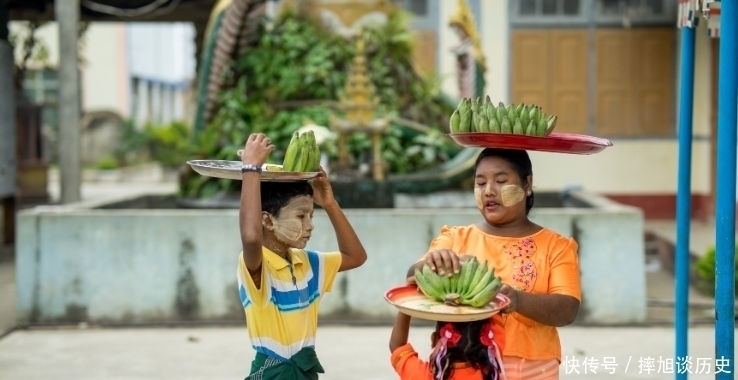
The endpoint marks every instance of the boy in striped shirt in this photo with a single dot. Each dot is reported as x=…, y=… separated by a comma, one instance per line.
x=279, y=282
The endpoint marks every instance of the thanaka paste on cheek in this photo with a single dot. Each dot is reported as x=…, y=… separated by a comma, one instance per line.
x=512, y=195
x=478, y=197
x=288, y=227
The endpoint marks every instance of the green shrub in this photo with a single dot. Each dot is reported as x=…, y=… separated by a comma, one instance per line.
x=107, y=163
x=705, y=268
x=298, y=62
x=131, y=149
x=169, y=145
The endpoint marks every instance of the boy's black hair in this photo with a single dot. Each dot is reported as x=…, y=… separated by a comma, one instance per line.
x=469, y=349
x=276, y=195
x=519, y=160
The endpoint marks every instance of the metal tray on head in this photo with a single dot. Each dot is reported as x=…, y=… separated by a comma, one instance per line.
x=232, y=170
x=411, y=301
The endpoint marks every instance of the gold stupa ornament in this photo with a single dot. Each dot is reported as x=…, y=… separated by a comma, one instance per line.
x=358, y=99
x=359, y=103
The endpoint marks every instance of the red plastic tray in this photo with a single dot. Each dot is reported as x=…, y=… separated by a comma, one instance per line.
x=555, y=142
x=409, y=300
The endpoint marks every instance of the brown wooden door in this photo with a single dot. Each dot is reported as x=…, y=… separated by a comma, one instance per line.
x=549, y=68
x=613, y=95
x=530, y=54
x=424, y=51
x=634, y=78
x=654, y=81
x=635, y=71
x=569, y=92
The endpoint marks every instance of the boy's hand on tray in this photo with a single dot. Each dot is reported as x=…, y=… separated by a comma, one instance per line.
x=322, y=190
x=257, y=149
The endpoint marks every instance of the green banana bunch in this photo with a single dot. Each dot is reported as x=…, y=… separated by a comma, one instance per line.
x=454, y=122
x=303, y=154
x=475, y=285
x=481, y=115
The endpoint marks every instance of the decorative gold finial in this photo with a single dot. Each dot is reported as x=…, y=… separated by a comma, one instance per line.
x=464, y=20
x=359, y=103
x=360, y=43
x=358, y=99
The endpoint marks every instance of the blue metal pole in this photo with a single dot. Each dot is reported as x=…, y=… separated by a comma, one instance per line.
x=684, y=194
x=725, y=192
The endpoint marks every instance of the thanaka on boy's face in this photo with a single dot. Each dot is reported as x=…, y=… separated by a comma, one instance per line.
x=294, y=224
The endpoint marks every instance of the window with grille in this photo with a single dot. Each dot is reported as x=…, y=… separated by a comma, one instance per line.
x=425, y=12
x=41, y=86
x=635, y=11
x=549, y=7
x=579, y=13
x=548, y=12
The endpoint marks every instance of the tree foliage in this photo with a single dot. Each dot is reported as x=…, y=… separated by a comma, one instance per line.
x=296, y=72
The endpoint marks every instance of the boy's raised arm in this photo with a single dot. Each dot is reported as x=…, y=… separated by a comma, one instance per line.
x=255, y=153
x=353, y=254
x=352, y=251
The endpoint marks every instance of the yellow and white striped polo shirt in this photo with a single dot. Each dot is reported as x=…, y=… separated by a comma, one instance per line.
x=282, y=315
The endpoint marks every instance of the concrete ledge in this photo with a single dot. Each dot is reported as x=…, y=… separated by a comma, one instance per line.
x=147, y=172
x=80, y=263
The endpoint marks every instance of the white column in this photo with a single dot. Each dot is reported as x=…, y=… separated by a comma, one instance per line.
x=495, y=46
x=67, y=15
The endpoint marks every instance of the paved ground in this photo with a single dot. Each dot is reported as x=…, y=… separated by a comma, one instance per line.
x=356, y=353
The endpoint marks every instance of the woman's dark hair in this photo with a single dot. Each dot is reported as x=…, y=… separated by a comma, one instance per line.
x=469, y=349
x=520, y=162
x=276, y=195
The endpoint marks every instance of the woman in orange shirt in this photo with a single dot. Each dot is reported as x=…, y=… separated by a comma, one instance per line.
x=539, y=267
x=461, y=351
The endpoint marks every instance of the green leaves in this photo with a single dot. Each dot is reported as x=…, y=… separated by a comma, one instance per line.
x=298, y=61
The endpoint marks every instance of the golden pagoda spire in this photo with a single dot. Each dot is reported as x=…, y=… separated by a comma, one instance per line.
x=358, y=99
x=464, y=20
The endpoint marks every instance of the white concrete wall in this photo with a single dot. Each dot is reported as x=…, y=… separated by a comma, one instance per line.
x=702, y=86
x=150, y=265
x=446, y=41
x=105, y=73
x=162, y=57
x=105, y=82
x=162, y=51
x=495, y=44
x=628, y=167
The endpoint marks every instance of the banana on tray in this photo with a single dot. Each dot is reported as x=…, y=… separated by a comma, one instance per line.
x=482, y=116
x=302, y=153
x=475, y=285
